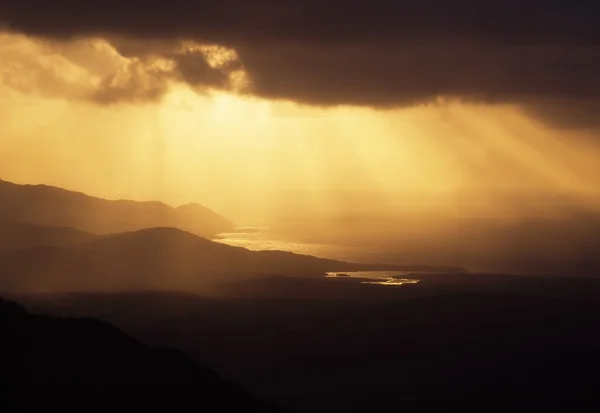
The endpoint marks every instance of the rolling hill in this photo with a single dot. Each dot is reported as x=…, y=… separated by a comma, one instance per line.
x=51, y=206
x=155, y=258
x=47, y=359
x=15, y=235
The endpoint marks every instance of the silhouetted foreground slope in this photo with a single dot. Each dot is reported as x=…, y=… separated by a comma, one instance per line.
x=528, y=347
x=46, y=205
x=156, y=258
x=46, y=358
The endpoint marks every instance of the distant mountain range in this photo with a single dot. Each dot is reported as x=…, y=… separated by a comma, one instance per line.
x=15, y=235
x=52, y=240
x=46, y=359
x=51, y=206
x=154, y=258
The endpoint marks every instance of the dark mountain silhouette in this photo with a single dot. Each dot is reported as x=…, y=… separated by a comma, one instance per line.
x=23, y=235
x=46, y=358
x=156, y=258
x=512, y=343
x=51, y=206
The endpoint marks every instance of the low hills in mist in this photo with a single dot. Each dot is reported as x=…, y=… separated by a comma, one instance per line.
x=15, y=235
x=57, y=240
x=154, y=258
x=47, y=359
x=51, y=206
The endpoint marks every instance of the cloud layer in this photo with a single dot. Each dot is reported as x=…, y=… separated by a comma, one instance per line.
x=92, y=69
x=542, y=55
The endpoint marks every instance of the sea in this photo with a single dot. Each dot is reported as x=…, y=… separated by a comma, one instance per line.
x=259, y=239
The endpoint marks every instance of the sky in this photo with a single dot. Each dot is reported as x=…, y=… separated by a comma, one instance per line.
x=256, y=107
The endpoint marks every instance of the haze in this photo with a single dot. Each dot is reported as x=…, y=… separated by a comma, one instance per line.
x=321, y=204
x=252, y=158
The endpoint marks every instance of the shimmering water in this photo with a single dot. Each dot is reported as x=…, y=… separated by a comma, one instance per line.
x=258, y=240
x=377, y=277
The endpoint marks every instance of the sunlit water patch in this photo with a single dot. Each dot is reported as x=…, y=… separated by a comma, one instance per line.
x=257, y=239
x=377, y=277
x=392, y=281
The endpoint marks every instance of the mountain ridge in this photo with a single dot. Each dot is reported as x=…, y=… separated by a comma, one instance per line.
x=48, y=358
x=54, y=206
x=156, y=258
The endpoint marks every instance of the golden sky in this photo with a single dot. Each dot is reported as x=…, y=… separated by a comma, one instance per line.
x=79, y=115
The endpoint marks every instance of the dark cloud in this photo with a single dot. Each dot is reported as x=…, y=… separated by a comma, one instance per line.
x=133, y=83
x=312, y=20
x=567, y=113
x=377, y=53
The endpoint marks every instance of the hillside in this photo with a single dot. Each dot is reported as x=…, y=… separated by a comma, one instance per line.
x=156, y=258
x=16, y=235
x=51, y=206
x=47, y=359
x=515, y=343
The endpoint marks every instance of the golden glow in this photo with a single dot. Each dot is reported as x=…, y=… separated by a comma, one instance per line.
x=224, y=59
x=249, y=157
x=216, y=56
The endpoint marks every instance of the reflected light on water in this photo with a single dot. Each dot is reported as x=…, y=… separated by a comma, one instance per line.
x=376, y=277
x=259, y=239
x=392, y=281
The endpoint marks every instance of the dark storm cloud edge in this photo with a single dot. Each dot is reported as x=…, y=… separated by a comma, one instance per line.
x=378, y=53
